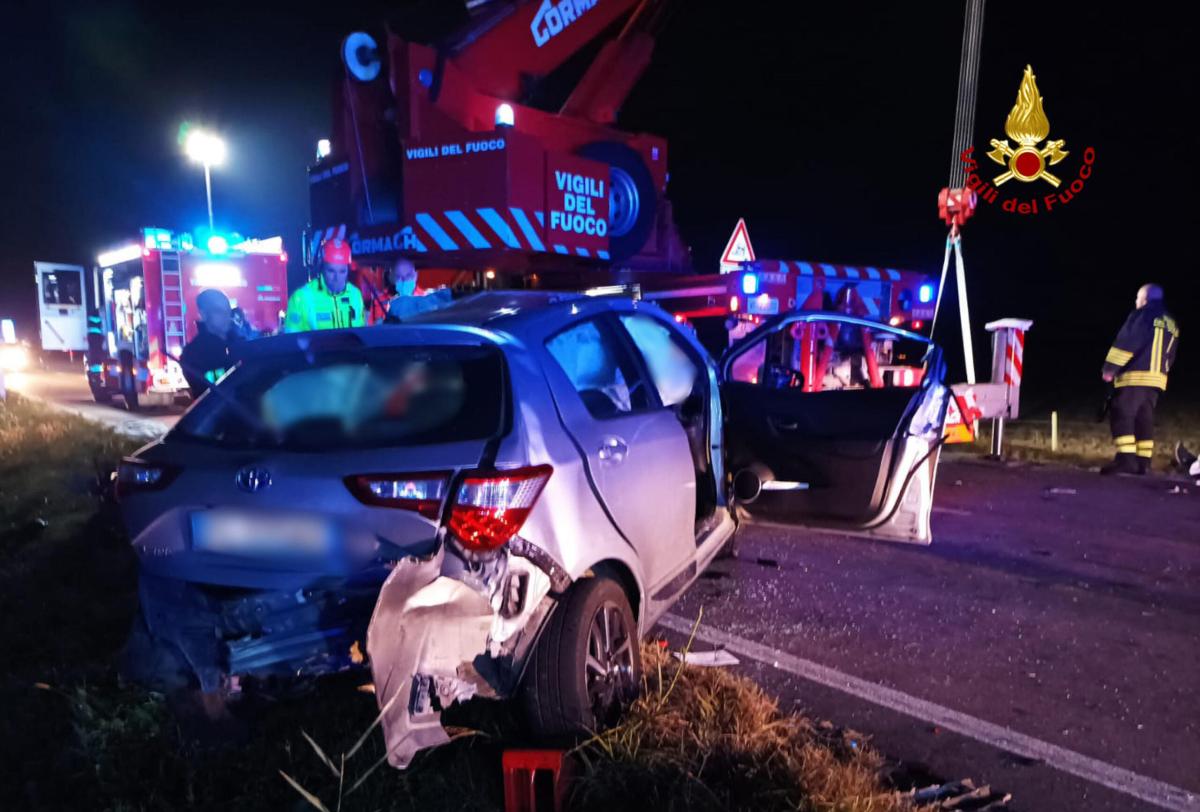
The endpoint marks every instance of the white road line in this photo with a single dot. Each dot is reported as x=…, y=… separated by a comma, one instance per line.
x=1139, y=786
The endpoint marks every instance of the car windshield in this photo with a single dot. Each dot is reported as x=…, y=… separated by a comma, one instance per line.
x=360, y=398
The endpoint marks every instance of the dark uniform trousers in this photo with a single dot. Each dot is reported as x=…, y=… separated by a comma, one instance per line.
x=1132, y=420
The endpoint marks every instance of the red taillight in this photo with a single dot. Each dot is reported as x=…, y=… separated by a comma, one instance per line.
x=490, y=507
x=420, y=493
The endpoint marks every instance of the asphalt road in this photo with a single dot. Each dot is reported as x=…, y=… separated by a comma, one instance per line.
x=1051, y=631
x=68, y=390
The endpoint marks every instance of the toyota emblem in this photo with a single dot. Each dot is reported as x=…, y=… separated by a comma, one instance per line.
x=252, y=479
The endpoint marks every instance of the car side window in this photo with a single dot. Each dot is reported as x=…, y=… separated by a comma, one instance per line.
x=600, y=369
x=837, y=355
x=671, y=367
x=747, y=367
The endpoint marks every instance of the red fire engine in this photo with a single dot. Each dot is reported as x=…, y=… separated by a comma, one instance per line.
x=141, y=308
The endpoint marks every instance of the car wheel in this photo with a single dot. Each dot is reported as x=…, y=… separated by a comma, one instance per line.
x=100, y=394
x=586, y=666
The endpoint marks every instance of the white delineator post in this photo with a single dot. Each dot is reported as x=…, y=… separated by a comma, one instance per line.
x=1008, y=364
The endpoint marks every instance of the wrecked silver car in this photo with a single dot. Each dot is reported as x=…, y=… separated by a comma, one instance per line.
x=618, y=422
x=525, y=482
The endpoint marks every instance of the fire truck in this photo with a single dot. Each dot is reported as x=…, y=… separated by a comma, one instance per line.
x=439, y=154
x=444, y=152
x=141, y=292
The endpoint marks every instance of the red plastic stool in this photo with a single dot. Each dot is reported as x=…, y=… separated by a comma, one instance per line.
x=533, y=780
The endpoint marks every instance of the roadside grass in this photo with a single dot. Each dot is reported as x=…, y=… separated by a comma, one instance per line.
x=709, y=739
x=1084, y=441
x=74, y=735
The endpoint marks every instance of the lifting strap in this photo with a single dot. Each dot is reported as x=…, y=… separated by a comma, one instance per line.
x=964, y=133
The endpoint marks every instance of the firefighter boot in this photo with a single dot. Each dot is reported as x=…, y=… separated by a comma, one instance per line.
x=1145, y=452
x=1122, y=464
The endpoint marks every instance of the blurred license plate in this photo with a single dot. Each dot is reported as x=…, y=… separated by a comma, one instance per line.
x=220, y=531
x=762, y=305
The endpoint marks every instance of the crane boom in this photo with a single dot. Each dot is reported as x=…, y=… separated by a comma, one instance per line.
x=510, y=43
x=620, y=64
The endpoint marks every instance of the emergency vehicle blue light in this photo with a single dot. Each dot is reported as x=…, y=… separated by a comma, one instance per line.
x=925, y=293
x=217, y=244
x=750, y=284
x=505, y=117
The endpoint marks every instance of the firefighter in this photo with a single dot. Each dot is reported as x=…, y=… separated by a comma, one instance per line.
x=211, y=353
x=1137, y=365
x=404, y=276
x=329, y=301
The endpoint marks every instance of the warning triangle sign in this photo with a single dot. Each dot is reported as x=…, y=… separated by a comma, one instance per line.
x=738, y=249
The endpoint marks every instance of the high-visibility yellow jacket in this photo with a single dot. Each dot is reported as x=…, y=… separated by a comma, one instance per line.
x=1142, y=353
x=313, y=307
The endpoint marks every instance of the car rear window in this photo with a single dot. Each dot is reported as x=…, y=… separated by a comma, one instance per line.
x=358, y=398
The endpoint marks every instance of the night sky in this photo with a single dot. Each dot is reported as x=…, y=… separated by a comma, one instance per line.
x=828, y=128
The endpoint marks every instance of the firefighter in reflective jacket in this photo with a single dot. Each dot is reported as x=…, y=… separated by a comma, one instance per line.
x=329, y=301
x=1137, y=366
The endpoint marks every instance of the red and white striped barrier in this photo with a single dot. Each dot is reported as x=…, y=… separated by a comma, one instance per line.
x=1014, y=354
x=1008, y=361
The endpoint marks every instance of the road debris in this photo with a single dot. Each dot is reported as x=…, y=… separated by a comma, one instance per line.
x=1061, y=491
x=707, y=659
x=963, y=795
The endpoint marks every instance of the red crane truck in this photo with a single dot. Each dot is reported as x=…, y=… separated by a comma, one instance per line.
x=439, y=154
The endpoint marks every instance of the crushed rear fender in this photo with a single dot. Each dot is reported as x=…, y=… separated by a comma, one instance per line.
x=445, y=630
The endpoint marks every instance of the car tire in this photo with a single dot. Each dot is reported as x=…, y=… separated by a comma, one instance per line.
x=633, y=200
x=101, y=395
x=573, y=686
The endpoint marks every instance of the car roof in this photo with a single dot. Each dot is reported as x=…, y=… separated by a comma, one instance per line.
x=491, y=316
x=490, y=308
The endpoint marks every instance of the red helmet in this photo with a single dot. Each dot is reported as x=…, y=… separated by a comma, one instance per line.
x=336, y=252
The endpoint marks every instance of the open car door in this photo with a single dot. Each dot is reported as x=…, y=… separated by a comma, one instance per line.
x=835, y=421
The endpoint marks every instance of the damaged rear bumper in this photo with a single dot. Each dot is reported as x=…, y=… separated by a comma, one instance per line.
x=445, y=630
x=210, y=633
